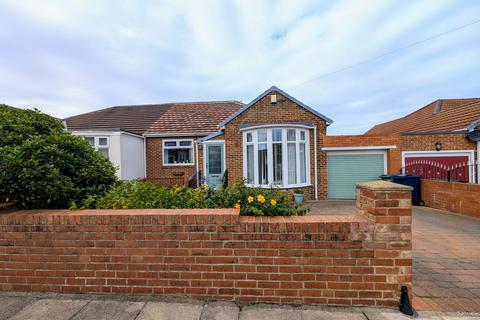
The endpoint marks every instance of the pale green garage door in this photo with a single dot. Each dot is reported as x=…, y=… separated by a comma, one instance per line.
x=344, y=170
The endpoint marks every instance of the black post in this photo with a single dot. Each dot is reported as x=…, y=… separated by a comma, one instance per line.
x=405, y=305
x=448, y=175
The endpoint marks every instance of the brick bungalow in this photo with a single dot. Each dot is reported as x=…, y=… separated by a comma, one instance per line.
x=275, y=140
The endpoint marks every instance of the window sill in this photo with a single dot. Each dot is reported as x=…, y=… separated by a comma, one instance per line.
x=178, y=165
x=292, y=186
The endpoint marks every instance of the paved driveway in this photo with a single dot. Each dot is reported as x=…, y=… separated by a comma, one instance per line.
x=446, y=261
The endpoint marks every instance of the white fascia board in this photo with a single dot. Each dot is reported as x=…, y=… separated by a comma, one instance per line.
x=358, y=148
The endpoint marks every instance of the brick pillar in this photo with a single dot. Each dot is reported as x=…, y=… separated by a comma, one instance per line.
x=389, y=206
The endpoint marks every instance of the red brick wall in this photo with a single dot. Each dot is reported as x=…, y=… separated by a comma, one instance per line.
x=462, y=198
x=263, y=112
x=394, y=156
x=212, y=254
x=169, y=175
x=403, y=143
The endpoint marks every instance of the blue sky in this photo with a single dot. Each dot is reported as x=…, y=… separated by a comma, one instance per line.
x=70, y=57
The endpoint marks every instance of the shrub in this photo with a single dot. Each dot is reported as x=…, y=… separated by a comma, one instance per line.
x=251, y=201
x=19, y=125
x=49, y=168
x=139, y=194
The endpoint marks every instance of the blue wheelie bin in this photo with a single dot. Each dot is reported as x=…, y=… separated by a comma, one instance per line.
x=412, y=181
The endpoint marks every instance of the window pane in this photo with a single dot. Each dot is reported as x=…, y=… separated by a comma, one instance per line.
x=262, y=135
x=249, y=137
x=292, y=163
x=291, y=134
x=302, y=135
x=178, y=156
x=277, y=163
x=303, y=164
x=277, y=134
x=185, y=143
x=250, y=165
x=262, y=164
x=90, y=140
x=103, y=151
x=103, y=141
x=214, y=159
x=170, y=143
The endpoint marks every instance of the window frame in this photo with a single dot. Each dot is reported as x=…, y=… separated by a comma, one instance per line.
x=96, y=143
x=285, y=185
x=178, y=146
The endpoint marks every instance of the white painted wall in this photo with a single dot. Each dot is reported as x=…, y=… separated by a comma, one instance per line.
x=125, y=152
x=132, y=157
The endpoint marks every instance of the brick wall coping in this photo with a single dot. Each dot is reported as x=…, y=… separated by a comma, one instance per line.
x=227, y=215
x=381, y=185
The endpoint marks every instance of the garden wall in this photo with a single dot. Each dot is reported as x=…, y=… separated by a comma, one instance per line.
x=211, y=254
x=462, y=198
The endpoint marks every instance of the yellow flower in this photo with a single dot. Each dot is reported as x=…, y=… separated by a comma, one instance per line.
x=237, y=205
x=250, y=199
x=260, y=198
x=273, y=202
x=205, y=186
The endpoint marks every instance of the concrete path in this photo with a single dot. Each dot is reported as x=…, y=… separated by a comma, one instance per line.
x=446, y=261
x=21, y=306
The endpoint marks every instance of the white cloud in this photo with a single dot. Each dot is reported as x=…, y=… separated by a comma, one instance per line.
x=72, y=57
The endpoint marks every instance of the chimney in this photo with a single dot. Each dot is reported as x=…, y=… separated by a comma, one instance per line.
x=438, y=106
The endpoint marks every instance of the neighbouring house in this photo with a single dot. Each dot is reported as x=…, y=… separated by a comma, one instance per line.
x=275, y=140
x=438, y=141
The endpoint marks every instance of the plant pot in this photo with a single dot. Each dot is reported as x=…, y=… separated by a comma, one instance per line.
x=298, y=197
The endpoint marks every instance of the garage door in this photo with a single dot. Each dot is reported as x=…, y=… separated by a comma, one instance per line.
x=344, y=170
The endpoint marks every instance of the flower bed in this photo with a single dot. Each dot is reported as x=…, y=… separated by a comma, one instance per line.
x=142, y=194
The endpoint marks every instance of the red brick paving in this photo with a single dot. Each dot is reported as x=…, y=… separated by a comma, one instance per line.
x=446, y=261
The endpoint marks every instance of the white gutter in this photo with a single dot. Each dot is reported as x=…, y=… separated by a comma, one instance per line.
x=196, y=163
x=316, y=162
x=179, y=134
x=145, y=156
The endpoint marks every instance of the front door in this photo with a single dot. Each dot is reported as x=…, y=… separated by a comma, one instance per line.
x=214, y=163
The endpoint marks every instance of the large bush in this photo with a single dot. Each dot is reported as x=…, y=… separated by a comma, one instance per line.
x=19, y=125
x=250, y=201
x=41, y=166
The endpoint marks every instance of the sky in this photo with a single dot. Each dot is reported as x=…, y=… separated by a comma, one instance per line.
x=71, y=57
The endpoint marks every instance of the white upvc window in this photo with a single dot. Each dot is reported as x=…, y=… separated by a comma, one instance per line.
x=276, y=156
x=101, y=144
x=178, y=152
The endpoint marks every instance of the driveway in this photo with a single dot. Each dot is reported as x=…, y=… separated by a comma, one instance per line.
x=446, y=256
x=446, y=261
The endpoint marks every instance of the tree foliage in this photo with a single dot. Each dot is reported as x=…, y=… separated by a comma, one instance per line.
x=42, y=166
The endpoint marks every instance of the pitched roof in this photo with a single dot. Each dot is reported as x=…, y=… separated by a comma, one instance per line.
x=184, y=117
x=278, y=90
x=195, y=117
x=444, y=115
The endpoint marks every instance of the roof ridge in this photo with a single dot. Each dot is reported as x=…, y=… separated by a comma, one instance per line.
x=177, y=103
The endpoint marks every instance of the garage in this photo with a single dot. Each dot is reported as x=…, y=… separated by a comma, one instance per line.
x=345, y=168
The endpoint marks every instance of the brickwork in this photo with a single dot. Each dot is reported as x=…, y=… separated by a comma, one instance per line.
x=213, y=254
x=462, y=198
x=285, y=111
x=418, y=142
x=168, y=175
x=394, y=156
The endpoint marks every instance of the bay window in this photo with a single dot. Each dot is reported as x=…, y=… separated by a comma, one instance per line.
x=277, y=156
